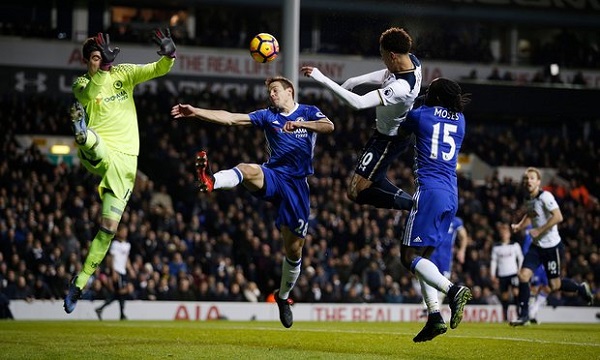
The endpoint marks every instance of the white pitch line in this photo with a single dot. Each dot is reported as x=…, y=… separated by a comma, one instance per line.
x=538, y=341
x=263, y=328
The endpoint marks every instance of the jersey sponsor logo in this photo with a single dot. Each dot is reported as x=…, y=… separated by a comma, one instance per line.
x=118, y=84
x=121, y=96
x=300, y=133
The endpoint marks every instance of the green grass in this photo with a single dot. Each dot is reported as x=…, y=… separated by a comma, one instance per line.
x=305, y=340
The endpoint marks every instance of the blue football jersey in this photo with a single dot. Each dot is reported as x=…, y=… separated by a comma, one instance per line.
x=289, y=153
x=439, y=135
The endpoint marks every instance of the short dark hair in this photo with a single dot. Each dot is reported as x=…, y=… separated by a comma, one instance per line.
x=285, y=82
x=446, y=93
x=395, y=40
x=89, y=46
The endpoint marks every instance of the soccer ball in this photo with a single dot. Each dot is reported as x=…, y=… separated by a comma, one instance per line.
x=264, y=48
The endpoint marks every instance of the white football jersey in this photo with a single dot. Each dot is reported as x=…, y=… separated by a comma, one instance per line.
x=120, y=253
x=539, y=210
x=506, y=259
x=398, y=93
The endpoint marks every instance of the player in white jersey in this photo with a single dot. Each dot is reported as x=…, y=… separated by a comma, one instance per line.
x=400, y=84
x=119, y=251
x=506, y=261
x=543, y=213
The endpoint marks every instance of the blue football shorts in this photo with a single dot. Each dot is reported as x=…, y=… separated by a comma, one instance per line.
x=291, y=195
x=429, y=219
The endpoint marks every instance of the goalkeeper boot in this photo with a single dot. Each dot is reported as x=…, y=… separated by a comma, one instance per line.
x=435, y=326
x=73, y=295
x=206, y=180
x=78, y=123
x=285, y=311
x=458, y=297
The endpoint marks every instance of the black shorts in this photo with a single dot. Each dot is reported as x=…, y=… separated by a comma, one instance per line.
x=550, y=258
x=122, y=281
x=506, y=282
x=378, y=154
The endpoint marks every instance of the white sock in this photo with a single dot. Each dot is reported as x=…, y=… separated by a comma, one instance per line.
x=290, y=271
x=441, y=297
x=430, y=296
x=540, y=300
x=227, y=179
x=428, y=272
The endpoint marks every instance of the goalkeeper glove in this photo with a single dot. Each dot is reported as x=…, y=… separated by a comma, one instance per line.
x=167, y=46
x=108, y=55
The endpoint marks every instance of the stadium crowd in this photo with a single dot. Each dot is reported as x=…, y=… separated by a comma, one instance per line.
x=223, y=247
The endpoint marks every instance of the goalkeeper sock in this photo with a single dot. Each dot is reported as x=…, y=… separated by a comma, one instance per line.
x=93, y=149
x=98, y=250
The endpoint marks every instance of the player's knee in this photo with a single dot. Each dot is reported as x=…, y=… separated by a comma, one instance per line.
x=352, y=195
x=292, y=244
x=109, y=225
x=406, y=259
x=249, y=171
x=524, y=276
x=357, y=185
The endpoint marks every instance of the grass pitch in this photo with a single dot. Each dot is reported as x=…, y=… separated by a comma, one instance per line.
x=305, y=340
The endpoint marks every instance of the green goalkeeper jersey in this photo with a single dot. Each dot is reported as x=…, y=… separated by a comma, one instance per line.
x=108, y=100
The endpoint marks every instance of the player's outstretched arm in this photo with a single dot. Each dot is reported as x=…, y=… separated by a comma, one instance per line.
x=521, y=224
x=321, y=126
x=373, y=78
x=355, y=101
x=220, y=117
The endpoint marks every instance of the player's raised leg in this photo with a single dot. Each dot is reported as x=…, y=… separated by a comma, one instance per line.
x=79, y=122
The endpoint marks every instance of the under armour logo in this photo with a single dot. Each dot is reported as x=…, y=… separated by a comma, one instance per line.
x=22, y=82
x=95, y=265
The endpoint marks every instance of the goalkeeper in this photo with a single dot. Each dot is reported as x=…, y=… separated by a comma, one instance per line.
x=104, y=122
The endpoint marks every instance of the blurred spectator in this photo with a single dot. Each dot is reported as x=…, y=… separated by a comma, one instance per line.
x=494, y=75
x=230, y=237
x=578, y=79
x=579, y=193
